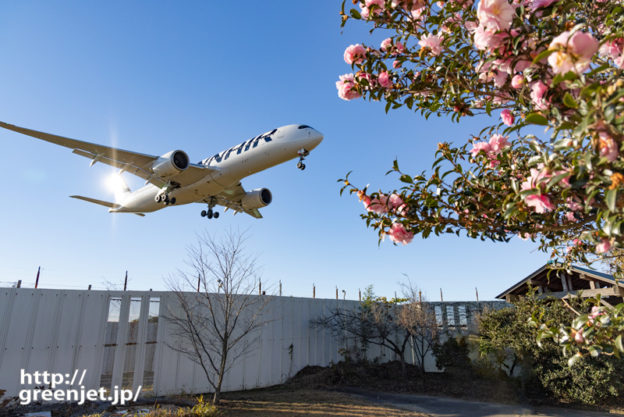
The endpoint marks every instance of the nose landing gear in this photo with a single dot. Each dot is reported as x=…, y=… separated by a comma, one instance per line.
x=210, y=213
x=302, y=154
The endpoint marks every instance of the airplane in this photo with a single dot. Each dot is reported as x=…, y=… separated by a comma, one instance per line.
x=171, y=179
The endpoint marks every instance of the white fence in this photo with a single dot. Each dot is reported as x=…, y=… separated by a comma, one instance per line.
x=119, y=338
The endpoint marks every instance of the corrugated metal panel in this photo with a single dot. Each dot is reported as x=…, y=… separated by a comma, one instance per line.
x=123, y=338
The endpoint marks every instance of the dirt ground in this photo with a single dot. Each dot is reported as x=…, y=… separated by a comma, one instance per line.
x=302, y=403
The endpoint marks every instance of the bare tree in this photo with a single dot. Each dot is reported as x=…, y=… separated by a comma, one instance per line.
x=418, y=319
x=393, y=324
x=217, y=320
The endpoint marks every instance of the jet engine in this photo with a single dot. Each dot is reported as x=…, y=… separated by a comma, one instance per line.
x=257, y=198
x=170, y=164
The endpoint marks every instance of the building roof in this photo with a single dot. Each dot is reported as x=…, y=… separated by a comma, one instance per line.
x=557, y=281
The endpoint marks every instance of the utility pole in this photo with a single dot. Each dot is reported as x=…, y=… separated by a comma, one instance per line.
x=313, y=291
x=336, y=292
x=37, y=279
x=198, y=282
x=260, y=287
x=441, y=297
x=359, y=294
x=126, y=282
x=19, y=283
x=477, y=292
x=280, y=288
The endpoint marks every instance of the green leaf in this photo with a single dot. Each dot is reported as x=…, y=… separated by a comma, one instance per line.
x=542, y=55
x=618, y=343
x=611, y=199
x=536, y=119
x=569, y=101
x=555, y=180
x=355, y=14
x=406, y=178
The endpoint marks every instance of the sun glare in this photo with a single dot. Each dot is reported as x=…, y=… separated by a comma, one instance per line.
x=115, y=183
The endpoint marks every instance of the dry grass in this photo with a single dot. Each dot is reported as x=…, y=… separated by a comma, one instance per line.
x=302, y=403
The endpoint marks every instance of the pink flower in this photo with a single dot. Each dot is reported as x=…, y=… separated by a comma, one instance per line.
x=603, y=246
x=488, y=39
x=508, y=117
x=538, y=91
x=394, y=201
x=570, y=216
x=573, y=52
x=384, y=79
x=386, y=45
x=361, y=75
x=541, y=203
x=497, y=143
x=578, y=337
x=402, y=210
x=608, y=146
x=573, y=204
x=538, y=4
x=480, y=146
x=354, y=54
x=496, y=14
x=398, y=234
x=614, y=49
x=595, y=313
x=346, y=87
x=378, y=205
x=432, y=42
x=517, y=81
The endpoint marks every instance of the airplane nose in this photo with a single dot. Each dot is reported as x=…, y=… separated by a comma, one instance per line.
x=316, y=137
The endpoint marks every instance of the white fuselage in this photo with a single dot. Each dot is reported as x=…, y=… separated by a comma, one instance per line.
x=254, y=155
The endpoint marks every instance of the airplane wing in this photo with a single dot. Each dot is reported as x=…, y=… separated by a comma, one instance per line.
x=231, y=198
x=136, y=163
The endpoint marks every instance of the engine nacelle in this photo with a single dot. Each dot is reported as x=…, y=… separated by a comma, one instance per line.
x=170, y=164
x=257, y=198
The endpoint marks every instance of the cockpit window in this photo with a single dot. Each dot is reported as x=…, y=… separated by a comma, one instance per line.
x=303, y=127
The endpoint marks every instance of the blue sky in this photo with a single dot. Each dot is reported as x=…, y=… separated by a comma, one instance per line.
x=197, y=76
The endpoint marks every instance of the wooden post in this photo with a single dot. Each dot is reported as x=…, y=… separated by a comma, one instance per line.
x=477, y=293
x=441, y=297
x=420, y=296
x=19, y=283
x=313, y=291
x=198, y=282
x=280, y=288
x=359, y=294
x=37, y=279
x=336, y=292
x=260, y=287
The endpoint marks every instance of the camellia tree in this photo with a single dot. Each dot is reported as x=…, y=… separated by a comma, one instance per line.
x=537, y=64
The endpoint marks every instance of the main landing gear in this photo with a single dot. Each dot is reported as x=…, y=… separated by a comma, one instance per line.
x=165, y=199
x=209, y=213
x=302, y=154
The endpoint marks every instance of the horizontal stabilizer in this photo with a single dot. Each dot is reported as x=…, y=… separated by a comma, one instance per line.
x=94, y=201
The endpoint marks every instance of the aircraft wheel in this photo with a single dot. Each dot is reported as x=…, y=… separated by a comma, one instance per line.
x=157, y=198
x=216, y=215
x=203, y=213
x=173, y=200
x=302, y=167
x=209, y=215
x=299, y=165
